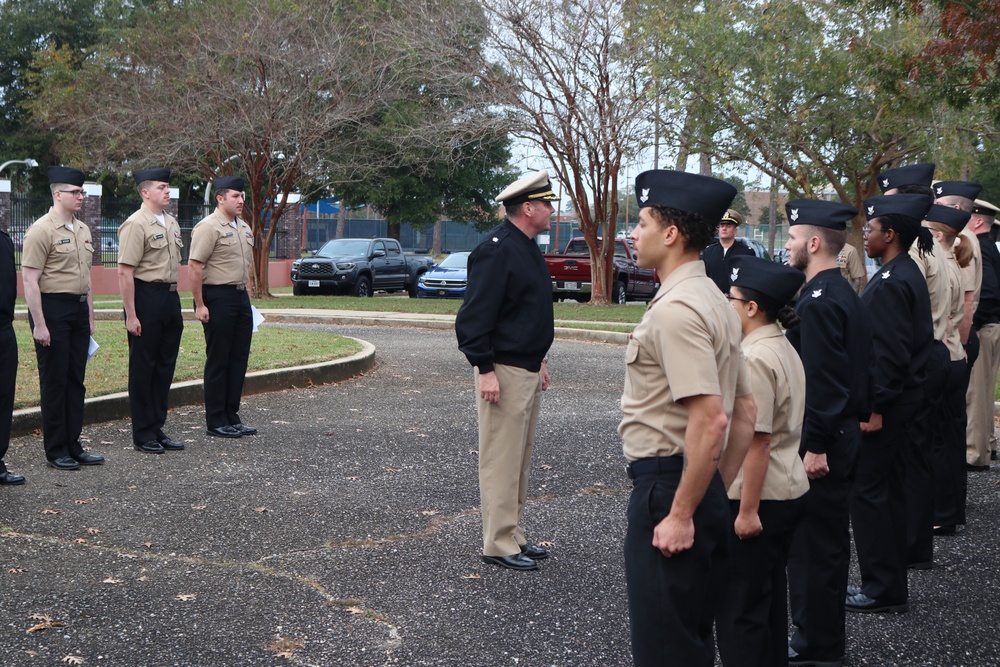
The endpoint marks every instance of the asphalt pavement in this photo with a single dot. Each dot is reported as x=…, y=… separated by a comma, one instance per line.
x=347, y=533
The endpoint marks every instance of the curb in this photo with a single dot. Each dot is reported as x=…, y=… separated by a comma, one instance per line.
x=115, y=406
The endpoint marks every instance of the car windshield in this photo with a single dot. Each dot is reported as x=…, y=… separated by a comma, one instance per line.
x=344, y=248
x=459, y=260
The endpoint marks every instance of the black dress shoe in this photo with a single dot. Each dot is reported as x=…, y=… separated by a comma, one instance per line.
x=533, y=552
x=10, y=479
x=993, y=455
x=244, y=429
x=853, y=590
x=515, y=562
x=798, y=659
x=921, y=565
x=944, y=530
x=974, y=468
x=864, y=604
x=63, y=463
x=224, y=432
x=88, y=459
x=167, y=443
x=151, y=447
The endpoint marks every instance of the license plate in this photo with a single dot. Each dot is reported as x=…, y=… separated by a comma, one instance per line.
x=571, y=285
x=313, y=283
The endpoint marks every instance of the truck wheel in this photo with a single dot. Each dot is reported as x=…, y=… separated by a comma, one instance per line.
x=411, y=289
x=619, y=294
x=296, y=290
x=362, y=288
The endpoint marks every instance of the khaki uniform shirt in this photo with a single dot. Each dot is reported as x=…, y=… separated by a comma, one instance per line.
x=779, y=388
x=850, y=264
x=227, y=253
x=932, y=267
x=153, y=250
x=64, y=256
x=956, y=310
x=972, y=275
x=687, y=344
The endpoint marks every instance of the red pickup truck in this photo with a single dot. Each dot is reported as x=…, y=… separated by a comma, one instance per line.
x=570, y=271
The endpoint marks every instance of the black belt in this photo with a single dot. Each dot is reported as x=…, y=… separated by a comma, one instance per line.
x=164, y=287
x=237, y=288
x=655, y=465
x=63, y=296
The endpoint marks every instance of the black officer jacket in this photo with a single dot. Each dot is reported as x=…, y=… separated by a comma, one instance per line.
x=834, y=341
x=716, y=266
x=988, y=310
x=900, y=310
x=507, y=314
x=8, y=280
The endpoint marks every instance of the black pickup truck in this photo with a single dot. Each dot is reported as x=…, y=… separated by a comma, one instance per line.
x=359, y=267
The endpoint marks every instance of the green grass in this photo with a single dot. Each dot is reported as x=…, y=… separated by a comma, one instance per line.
x=630, y=314
x=107, y=372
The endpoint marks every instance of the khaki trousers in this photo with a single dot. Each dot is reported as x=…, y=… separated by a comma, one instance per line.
x=506, y=437
x=980, y=397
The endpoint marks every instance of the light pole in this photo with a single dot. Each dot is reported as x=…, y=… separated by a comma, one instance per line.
x=31, y=164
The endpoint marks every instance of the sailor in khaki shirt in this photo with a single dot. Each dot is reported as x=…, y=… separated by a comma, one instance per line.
x=58, y=253
x=688, y=420
x=149, y=252
x=852, y=268
x=948, y=442
x=766, y=496
x=219, y=267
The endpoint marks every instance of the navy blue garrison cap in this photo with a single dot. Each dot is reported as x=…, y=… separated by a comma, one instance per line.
x=910, y=206
x=819, y=212
x=66, y=175
x=953, y=217
x=690, y=193
x=912, y=174
x=966, y=189
x=228, y=183
x=162, y=175
x=775, y=280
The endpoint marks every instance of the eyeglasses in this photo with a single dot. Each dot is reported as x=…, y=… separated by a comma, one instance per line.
x=868, y=229
x=72, y=193
x=730, y=297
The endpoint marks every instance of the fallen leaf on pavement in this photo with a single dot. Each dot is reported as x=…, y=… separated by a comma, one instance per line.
x=472, y=576
x=185, y=597
x=51, y=511
x=109, y=580
x=73, y=659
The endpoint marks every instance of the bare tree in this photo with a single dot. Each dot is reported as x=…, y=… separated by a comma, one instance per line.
x=285, y=93
x=564, y=72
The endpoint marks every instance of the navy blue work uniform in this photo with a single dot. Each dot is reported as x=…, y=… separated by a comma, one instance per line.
x=900, y=310
x=8, y=343
x=834, y=341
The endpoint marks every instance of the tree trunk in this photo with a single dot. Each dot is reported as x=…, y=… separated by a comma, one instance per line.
x=341, y=221
x=772, y=217
x=259, y=278
x=392, y=230
x=436, y=244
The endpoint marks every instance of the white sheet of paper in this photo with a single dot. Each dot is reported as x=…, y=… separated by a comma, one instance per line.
x=258, y=319
x=92, y=350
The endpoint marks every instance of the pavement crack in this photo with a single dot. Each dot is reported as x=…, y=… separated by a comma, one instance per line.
x=353, y=606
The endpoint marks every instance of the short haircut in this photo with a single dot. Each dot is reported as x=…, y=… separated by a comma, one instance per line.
x=963, y=203
x=834, y=240
x=514, y=210
x=222, y=192
x=53, y=187
x=145, y=185
x=695, y=230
